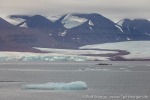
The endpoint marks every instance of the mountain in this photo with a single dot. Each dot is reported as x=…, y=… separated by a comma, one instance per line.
x=36, y=21
x=78, y=29
x=137, y=29
x=135, y=26
x=4, y=24
x=85, y=29
x=14, y=38
x=68, y=31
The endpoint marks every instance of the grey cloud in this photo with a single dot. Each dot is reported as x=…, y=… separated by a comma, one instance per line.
x=113, y=9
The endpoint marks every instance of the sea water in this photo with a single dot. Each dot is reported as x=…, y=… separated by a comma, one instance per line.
x=119, y=81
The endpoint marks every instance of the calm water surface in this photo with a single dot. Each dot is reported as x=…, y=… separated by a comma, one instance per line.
x=119, y=81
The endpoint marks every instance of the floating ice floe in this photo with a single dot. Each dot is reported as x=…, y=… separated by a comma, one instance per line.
x=78, y=85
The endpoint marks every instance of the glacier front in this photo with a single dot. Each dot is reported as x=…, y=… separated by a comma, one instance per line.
x=28, y=56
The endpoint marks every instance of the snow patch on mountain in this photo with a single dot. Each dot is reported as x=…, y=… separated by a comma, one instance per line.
x=147, y=34
x=91, y=28
x=24, y=25
x=137, y=49
x=53, y=18
x=119, y=28
x=91, y=23
x=63, y=33
x=14, y=21
x=128, y=39
x=71, y=21
x=120, y=23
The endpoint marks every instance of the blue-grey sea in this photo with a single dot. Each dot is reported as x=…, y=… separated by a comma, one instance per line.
x=123, y=80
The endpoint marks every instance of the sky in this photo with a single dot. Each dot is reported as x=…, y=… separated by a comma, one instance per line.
x=112, y=9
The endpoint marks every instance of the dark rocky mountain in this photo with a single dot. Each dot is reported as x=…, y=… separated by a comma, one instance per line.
x=96, y=29
x=137, y=29
x=13, y=38
x=136, y=26
x=69, y=31
x=4, y=24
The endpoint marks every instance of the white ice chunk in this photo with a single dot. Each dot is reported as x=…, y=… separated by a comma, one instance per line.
x=71, y=21
x=147, y=34
x=78, y=85
x=53, y=18
x=128, y=39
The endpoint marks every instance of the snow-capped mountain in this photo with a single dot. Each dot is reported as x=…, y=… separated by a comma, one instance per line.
x=139, y=29
x=69, y=31
x=36, y=21
x=93, y=28
x=14, y=38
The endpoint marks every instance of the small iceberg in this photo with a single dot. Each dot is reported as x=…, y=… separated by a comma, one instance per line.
x=78, y=85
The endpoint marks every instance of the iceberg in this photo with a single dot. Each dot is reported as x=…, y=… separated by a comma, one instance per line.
x=78, y=85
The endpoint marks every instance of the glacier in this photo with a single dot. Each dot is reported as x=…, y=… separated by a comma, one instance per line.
x=78, y=85
x=137, y=49
x=74, y=52
x=54, y=55
x=28, y=56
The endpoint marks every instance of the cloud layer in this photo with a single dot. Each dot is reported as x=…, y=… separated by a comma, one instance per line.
x=113, y=9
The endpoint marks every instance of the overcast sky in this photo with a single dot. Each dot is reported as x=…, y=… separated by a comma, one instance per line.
x=113, y=9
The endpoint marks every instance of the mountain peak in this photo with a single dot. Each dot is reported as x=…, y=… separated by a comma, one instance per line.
x=4, y=23
x=124, y=22
x=73, y=30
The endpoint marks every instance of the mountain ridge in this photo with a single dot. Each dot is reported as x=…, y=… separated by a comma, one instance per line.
x=70, y=31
